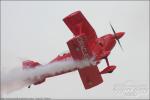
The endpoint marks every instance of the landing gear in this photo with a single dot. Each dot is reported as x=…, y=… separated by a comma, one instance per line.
x=106, y=59
x=108, y=69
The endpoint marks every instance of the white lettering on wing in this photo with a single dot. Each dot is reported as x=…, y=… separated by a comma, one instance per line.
x=83, y=48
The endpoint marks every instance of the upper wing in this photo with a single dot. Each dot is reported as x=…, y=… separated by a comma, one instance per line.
x=79, y=50
x=78, y=24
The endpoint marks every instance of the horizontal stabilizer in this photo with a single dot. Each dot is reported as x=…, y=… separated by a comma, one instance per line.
x=29, y=64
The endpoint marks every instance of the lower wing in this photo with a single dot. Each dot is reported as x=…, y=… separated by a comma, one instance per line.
x=90, y=76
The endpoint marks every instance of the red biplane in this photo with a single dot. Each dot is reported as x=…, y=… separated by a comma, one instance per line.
x=84, y=45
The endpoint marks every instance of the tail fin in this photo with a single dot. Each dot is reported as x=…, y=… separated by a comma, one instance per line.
x=27, y=64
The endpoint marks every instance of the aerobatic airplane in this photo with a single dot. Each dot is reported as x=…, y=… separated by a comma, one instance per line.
x=83, y=46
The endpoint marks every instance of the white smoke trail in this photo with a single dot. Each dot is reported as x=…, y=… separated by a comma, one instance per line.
x=19, y=78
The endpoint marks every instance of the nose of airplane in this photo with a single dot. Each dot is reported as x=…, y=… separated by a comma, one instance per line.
x=119, y=34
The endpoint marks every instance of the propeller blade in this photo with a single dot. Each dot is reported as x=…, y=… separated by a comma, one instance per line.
x=113, y=29
x=116, y=36
x=120, y=44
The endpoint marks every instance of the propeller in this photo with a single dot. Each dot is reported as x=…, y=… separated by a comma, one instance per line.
x=116, y=37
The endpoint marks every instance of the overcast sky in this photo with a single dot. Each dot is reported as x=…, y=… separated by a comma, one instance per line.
x=35, y=30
